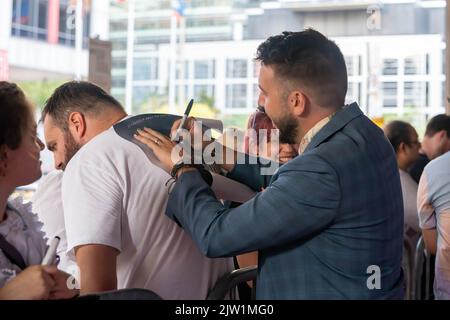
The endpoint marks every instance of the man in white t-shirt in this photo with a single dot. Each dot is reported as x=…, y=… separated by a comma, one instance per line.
x=114, y=203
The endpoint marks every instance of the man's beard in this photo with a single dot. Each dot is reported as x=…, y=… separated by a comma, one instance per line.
x=288, y=128
x=71, y=147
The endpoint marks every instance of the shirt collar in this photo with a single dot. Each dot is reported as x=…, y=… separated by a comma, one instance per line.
x=312, y=132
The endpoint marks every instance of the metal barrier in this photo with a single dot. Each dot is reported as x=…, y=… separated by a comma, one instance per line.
x=228, y=283
x=408, y=268
x=422, y=258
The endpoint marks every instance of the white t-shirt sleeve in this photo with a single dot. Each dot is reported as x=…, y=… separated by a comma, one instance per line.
x=425, y=209
x=92, y=201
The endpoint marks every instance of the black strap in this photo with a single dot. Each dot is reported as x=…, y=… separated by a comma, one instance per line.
x=11, y=253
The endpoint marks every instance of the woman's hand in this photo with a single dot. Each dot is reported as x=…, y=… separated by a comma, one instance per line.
x=38, y=283
x=34, y=283
x=162, y=147
x=61, y=288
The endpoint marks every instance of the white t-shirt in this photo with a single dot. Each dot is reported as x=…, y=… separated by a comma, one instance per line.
x=113, y=195
x=409, y=192
x=47, y=204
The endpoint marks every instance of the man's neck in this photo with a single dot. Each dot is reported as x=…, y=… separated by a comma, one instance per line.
x=306, y=126
x=119, y=118
x=403, y=165
x=99, y=126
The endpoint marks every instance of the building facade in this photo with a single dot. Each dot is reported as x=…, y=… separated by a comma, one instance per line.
x=38, y=37
x=394, y=51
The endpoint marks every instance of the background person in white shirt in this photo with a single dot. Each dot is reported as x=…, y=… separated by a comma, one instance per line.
x=114, y=205
x=433, y=204
x=404, y=140
x=47, y=204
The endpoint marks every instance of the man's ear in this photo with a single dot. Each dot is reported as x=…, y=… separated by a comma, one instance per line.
x=447, y=140
x=401, y=147
x=298, y=101
x=77, y=125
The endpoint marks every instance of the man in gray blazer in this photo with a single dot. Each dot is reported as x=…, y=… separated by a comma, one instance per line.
x=329, y=224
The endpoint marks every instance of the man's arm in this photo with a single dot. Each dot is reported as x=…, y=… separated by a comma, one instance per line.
x=92, y=200
x=249, y=171
x=427, y=215
x=97, y=265
x=302, y=201
x=430, y=239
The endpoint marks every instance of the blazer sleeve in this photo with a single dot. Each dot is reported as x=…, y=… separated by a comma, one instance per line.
x=249, y=172
x=302, y=200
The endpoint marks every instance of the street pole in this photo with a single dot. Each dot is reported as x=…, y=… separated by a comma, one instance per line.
x=173, y=61
x=79, y=39
x=130, y=58
x=181, y=62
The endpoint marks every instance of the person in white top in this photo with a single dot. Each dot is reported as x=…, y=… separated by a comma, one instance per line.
x=22, y=243
x=114, y=203
x=433, y=204
x=404, y=140
x=47, y=204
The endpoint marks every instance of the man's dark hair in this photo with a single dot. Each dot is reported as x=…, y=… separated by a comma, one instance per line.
x=80, y=96
x=309, y=59
x=15, y=114
x=397, y=132
x=438, y=123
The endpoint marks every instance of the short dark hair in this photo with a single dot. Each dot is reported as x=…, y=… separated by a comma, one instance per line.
x=438, y=123
x=312, y=60
x=15, y=113
x=81, y=96
x=397, y=132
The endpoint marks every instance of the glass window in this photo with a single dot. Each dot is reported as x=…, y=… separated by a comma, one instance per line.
x=415, y=94
x=178, y=69
x=236, y=96
x=203, y=92
x=349, y=63
x=66, y=24
x=118, y=25
x=67, y=13
x=145, y=69
x=416, y=65
x=29, y=19
x=204, y=69
x=236, y=68
x=390, y=66
x=390, y=94
x=185, y=94
x=119, y=63
x=141, y=96
x=118, y=82
x=119, y=45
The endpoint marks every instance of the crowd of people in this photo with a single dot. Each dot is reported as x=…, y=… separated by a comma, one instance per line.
x=328, y=224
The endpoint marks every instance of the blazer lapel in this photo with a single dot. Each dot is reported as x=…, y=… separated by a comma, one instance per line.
x=339, y=120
